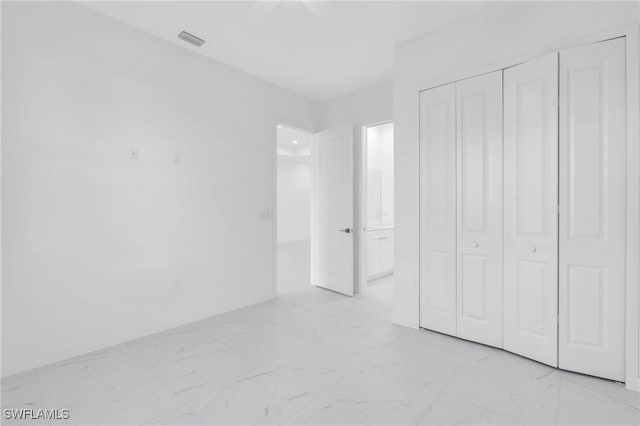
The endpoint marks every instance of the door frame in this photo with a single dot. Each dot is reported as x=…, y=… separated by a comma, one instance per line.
x=632, y=33
x=274, y=218
x=632, y=364
x=361, y=203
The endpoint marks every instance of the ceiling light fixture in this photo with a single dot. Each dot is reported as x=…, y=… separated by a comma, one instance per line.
x=191, y=39
x=294, y=142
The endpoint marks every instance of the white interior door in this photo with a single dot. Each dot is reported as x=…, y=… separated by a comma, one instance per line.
x=479, y=212
x=530, y=209
x=592, y=209
x=438, y=209
x=332, y=210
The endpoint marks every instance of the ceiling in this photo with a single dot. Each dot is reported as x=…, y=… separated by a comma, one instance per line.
x=318, y=49
x=294, y=138
x=294, y=143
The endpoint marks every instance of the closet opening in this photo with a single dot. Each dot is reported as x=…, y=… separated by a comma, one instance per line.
x=522, y=209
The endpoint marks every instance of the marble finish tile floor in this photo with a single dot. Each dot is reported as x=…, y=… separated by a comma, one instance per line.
x=314, y=358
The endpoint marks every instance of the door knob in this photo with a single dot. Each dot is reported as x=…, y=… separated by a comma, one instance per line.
x=476, y=245
x=533, y=249
x=346, y=230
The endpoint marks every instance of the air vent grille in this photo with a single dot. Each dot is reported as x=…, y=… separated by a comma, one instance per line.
x=190, y=38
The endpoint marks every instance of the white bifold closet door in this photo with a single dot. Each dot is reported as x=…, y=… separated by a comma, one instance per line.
x=438, y=209
x=592, y=209
x=479, y=208
x=530, y=209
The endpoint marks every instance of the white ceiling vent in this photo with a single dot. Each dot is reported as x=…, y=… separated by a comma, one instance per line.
x=190, y=38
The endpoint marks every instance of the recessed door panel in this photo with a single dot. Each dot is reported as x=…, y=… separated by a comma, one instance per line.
x=531, y=293
x=479, y=212
x=530, y=212
x=586, y=149
x=438, y=268
x=473, y=279
x=437, y=209
x=374, y=250
x=473, y=161
x=592, y=209
x=586, y=288
x=387, y=253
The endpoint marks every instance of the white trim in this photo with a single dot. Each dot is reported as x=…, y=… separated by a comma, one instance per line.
x=621, y=32
x=379, y=275
x=1, y=155
x=313, y=240
x=274, y=152
x=361, y=231
x=632, y=367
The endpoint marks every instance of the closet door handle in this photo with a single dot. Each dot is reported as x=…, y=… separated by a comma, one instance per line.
x=346, y=230
x=476, y=244
x=533, y=249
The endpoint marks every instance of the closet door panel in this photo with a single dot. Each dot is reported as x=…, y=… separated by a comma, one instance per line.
x=437, y=210
x=593, y=205
x=530, y=209
x=479, y=213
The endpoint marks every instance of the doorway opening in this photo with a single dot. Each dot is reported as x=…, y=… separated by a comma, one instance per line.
x=293, y=209
x=378, y=191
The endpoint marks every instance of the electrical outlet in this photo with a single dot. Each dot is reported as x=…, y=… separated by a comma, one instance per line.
x=177, y=159
x=133, y=154
x=178, y=285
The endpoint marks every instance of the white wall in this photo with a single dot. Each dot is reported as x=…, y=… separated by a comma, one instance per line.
x=294, y=200
x=369, y=106
x=94, y=242
x=472, y=45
